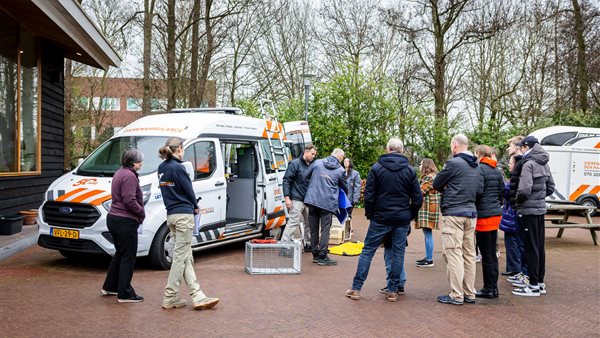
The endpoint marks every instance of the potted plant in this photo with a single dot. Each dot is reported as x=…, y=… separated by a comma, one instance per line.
x=30, y=216
x=10, y=224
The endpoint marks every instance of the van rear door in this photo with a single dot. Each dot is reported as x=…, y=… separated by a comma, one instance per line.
x=273, y=170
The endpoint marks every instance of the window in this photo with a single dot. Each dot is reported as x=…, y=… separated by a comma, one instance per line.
x=19, y=100
x=134, y=104
x=268, y=156
x=106, y=103
x=557, y=139
x=202, y=156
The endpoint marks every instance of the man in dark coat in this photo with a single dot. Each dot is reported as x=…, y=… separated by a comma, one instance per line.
x=459, y=182
x=535, y=184
x=392, y=199
x=294, y=191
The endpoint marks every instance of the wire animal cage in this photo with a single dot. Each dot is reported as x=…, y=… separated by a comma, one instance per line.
x=273, y=258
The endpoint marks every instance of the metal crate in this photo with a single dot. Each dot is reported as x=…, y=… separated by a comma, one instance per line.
x=273, y=258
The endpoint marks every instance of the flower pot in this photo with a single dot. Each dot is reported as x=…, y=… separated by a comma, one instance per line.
x=10, y=224
x=30, y=216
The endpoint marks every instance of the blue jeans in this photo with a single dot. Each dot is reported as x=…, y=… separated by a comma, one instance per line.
x=387, y=257
x=513, y=252
x=428, y=243
x=375, y=236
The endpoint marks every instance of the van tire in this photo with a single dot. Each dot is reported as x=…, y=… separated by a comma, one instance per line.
x=590, y=201
x=159, y=257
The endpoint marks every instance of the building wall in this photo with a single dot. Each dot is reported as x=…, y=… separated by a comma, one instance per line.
x=27, y=192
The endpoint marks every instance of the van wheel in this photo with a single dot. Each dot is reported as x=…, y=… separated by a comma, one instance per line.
x=590, y=202
x=161, y=251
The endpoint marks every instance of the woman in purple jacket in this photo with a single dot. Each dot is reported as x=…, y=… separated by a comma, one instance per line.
x=124, y=217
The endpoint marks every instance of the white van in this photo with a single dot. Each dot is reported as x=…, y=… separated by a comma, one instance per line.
x=238, y=163
x=574, y=163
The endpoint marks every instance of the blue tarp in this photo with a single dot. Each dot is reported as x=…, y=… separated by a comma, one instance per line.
x=344, y=205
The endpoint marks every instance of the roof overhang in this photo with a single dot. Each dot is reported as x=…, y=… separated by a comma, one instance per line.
x=65, y=23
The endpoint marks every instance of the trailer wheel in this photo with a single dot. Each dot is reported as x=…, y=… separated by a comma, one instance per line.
x=161, y=251
x=590, y=202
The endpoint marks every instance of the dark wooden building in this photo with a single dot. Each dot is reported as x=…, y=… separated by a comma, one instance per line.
x=35, y=38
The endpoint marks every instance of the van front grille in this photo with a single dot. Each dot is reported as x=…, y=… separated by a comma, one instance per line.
x=70, y=215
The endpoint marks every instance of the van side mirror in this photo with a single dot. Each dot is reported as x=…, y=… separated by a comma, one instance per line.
x=189, y=169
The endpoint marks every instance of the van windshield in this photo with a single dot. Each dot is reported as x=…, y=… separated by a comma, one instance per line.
x=106, y=160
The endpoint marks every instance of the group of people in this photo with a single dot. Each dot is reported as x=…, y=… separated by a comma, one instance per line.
x=474, y=201
x=127, y=213
x=469, y=196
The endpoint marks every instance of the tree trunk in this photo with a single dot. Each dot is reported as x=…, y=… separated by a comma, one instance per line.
x=147, y=55
x=581, y=72
x=171, y=80
x=193, y=94
x=439, y=89
x=68, y=133
x=209, y=51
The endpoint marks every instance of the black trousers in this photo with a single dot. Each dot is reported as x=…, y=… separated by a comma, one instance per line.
x=486, y=241
x=534, y=235
x=318, y=243
x=120, y=271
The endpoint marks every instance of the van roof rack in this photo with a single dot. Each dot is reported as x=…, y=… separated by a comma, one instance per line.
x=215, y=110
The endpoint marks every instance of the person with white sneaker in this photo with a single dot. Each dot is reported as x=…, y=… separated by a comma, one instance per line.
x=535, y=184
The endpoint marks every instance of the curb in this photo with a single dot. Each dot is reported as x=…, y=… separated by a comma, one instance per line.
x=18, y=246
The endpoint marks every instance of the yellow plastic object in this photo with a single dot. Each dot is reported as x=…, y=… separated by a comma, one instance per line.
x=347, y=249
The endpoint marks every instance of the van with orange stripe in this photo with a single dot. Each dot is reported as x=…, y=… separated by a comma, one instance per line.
x=574, y=163
x=234, y=169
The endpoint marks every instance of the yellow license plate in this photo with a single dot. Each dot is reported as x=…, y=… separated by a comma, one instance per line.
x=64, y=233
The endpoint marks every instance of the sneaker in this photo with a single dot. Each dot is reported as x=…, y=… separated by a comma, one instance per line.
x=175, y=304
x=353, y=294
x=327, y=261
x=446, y=299
x=385, y=291
x=469, y=300
x=514, y=277
x=478, y=259
x=108, y=293
x=521, y=282
x=132, y=299
x=391, y=296
x=315, y=259
x=527, y=291
x=542, y=287
x=206, y=303
x=425, y=264
x=421, y=260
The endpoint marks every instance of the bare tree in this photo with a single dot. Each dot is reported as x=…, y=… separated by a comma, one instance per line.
x=149, y=6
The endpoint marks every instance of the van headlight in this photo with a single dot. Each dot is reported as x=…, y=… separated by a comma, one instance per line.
x=146, y=193
x=107, y=204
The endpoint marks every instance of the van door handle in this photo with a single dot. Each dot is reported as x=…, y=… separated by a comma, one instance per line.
x=219, y=184
x=272, y=179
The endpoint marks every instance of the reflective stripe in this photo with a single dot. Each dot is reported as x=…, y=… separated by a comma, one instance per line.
x=101, y=200
x=579, y=191
x=87, y=195
x=69, y=194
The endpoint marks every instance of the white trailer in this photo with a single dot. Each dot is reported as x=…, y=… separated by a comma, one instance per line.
x=574, y=163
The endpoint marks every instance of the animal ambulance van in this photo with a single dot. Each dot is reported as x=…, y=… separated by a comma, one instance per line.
x=574, y=163
x=237, y=166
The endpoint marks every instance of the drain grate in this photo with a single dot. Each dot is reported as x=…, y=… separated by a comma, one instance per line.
x=500, y=301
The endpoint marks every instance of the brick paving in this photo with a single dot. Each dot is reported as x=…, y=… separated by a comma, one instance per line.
x=43, y=294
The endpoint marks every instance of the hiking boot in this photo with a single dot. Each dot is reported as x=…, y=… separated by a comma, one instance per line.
x=132, y=299
x=174, y=304
x=108, y=293
x=527, y=291
x=446, y=299
x=206, y=303
x=391, y=296
x=353, y=294
x=327, y=261
x=425, y=264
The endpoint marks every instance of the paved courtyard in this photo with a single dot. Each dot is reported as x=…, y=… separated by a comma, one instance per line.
x=44, y=295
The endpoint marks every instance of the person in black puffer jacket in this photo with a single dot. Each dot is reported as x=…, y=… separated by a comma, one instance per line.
x=489, y=211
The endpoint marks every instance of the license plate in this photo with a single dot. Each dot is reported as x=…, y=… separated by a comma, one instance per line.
x=64, y=233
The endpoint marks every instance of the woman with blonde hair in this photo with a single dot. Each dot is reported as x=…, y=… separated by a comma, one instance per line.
x=429, y=214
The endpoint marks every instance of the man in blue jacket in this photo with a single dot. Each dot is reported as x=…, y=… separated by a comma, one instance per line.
x=392, y=199
x=294, y=191
x=325, y=178
x=459, y=182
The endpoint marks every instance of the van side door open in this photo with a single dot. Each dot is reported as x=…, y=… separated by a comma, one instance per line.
x=209, y=184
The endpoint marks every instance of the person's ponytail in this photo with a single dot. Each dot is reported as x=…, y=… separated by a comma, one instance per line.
x=166, y=152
